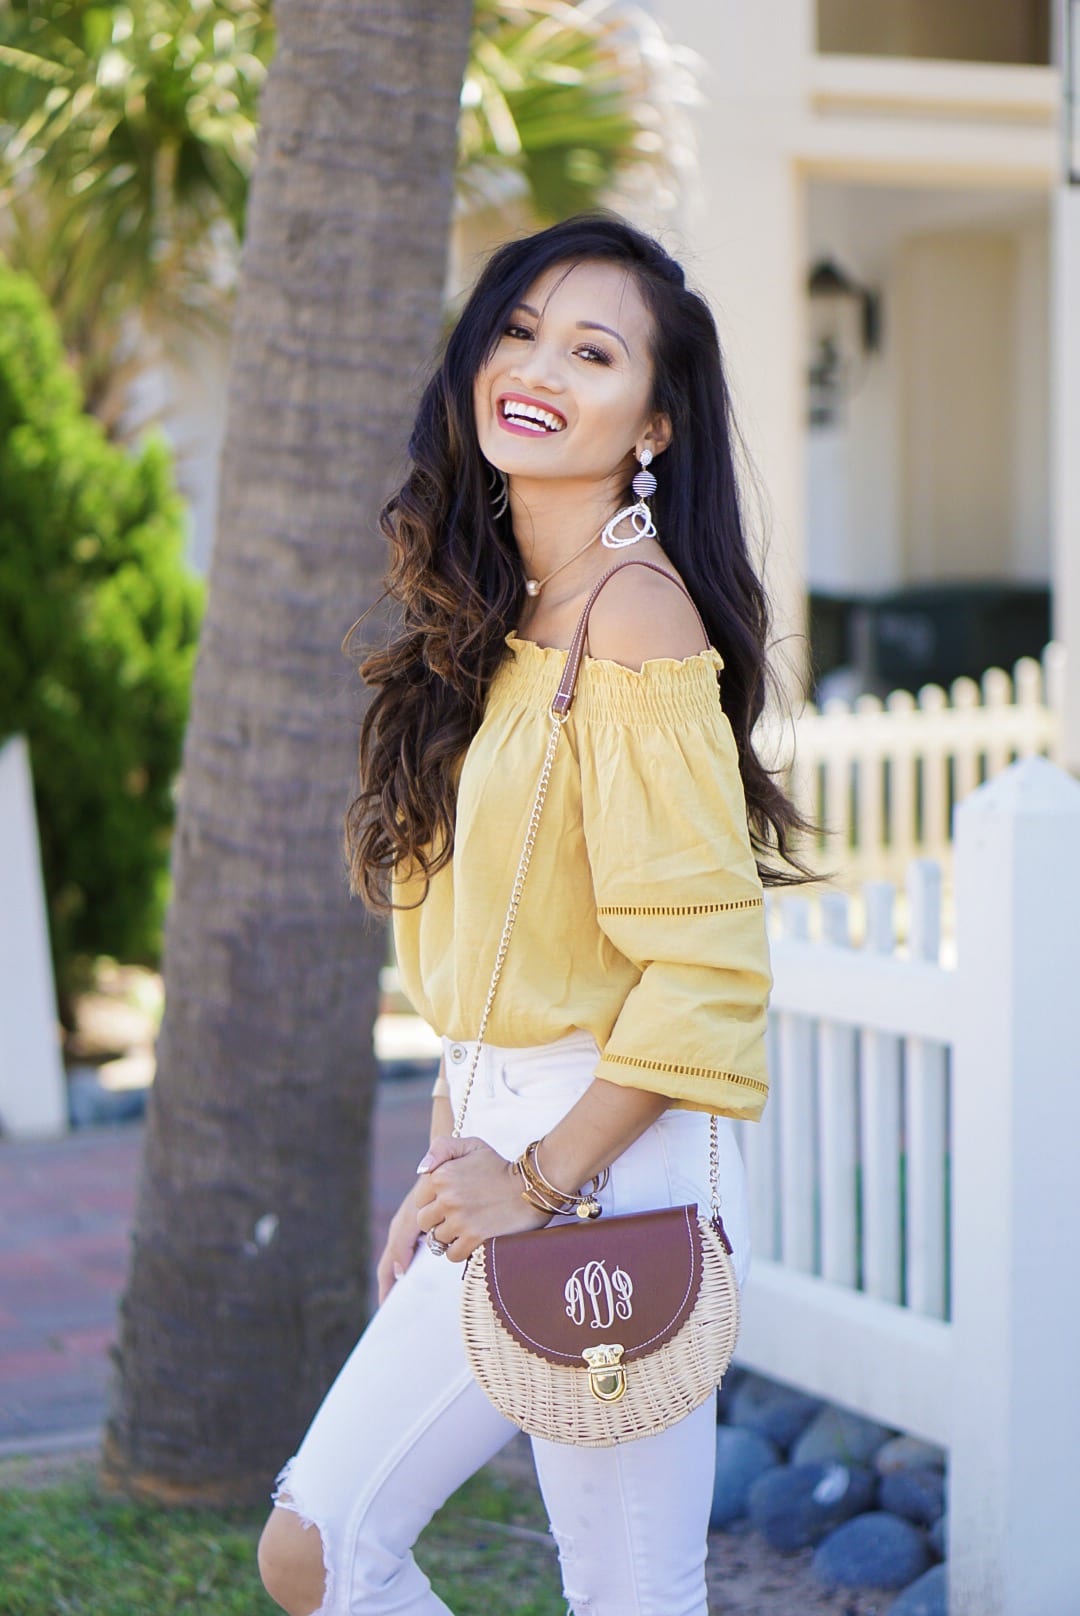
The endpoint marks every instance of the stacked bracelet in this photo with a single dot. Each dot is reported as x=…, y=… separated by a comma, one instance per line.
x=542, y=1194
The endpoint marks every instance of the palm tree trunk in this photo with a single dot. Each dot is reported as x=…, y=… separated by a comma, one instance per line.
x=250, y=1263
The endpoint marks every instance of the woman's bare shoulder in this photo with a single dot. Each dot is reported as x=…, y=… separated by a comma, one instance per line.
x=640, y=614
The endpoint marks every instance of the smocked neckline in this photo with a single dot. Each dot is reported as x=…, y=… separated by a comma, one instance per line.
x=652, y=666
x=664, y=691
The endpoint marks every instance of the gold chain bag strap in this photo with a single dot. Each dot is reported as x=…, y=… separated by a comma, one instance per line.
x=594, y=1333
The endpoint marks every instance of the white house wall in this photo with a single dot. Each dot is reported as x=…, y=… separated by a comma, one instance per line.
x=856, y=226
x=1031, y=558
x=954, y=305
x=1065, y=458
x=745, y=232
x=898, y=240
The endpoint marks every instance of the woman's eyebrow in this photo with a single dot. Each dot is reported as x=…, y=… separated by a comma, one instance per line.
x=582, y=325
x=594, y=325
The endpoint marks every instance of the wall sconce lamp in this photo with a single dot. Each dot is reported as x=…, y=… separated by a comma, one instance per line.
x=828, y=280
x=838, y=351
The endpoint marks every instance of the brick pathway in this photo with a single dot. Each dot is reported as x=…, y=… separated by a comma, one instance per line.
x=66, y=1208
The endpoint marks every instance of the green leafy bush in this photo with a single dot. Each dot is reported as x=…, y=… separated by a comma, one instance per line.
x=99, y=617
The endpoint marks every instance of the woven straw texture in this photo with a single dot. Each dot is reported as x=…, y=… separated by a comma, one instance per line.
x=554, y=1401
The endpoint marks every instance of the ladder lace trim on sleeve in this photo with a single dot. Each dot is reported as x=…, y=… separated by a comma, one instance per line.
x=646, y=1065
x=673, y=909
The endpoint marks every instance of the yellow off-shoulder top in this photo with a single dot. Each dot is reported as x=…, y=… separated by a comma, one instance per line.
x=642, y=920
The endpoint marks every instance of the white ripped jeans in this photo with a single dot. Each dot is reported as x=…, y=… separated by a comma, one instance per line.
x=405, y=1423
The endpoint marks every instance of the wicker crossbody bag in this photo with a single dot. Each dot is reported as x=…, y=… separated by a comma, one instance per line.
x=597, y=1332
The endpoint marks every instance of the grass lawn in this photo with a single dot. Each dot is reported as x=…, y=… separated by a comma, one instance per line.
x=66, y=1550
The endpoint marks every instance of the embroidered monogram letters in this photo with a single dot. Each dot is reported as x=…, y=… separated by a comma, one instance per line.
x=607, y=1296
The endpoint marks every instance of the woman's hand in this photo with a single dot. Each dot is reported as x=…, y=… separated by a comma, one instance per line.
x=467, y=1192
x=400, y=1244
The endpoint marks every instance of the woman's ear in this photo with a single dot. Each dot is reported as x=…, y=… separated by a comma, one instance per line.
x=657, y=436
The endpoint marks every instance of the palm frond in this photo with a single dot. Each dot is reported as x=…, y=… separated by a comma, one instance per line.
x=558, y=99
x=127, y=141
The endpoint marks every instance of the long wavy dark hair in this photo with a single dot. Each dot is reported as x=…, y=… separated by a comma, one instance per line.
x=456, y=574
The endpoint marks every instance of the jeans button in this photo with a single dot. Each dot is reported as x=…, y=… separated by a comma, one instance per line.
x=457, y=1052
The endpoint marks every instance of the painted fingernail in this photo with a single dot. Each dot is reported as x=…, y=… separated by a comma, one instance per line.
x=427, y=1163
x=399, y=1272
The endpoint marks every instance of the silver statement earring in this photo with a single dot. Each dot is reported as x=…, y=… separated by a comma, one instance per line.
x=499, y=484
x=638, y=515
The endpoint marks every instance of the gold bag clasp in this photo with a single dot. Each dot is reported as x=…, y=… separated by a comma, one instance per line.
x=607, y=1374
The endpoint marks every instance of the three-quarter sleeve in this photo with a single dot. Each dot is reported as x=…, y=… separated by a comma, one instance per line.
x=678, y=895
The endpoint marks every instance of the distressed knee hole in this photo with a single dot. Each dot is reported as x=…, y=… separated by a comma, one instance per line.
x=286, y=1575
x=578, y=1604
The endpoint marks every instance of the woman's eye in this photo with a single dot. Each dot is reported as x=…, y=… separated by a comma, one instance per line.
x=520, y=331
x=597, y=355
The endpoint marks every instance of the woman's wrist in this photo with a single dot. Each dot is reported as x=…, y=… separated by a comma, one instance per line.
x=541, y=1193
x=545, y=1214
x=596, y=1130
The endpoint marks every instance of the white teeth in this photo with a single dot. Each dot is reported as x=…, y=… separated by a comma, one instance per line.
x=527, y=414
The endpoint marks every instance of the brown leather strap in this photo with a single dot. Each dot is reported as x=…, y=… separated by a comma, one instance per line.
x=565, y=693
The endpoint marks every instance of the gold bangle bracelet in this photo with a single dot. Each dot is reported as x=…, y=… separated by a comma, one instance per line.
x=544, y=1193
x=535, y=1194
x=566, y=1201
x=596, y=1184
x=540, y=1205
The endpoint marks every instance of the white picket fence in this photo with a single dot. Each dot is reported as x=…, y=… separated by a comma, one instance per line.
x=882, y=777
x=914, y=1181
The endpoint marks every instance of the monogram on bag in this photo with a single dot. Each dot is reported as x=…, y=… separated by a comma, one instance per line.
x=597, y=1332
x=609, y=1294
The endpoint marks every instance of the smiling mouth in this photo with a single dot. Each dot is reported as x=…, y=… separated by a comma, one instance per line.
x=530, y=417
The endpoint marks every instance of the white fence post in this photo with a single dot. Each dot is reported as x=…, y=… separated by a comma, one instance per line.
x=880, y=1121
x=1014, y=1548
x=926, y=1115
x=795, y=1039
x=838, y=1142
x=32, y=1093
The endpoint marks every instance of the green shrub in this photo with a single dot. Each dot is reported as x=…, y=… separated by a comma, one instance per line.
x=99, y=617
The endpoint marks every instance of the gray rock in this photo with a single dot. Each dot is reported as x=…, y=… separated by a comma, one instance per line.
x=876, y=1550
x=795, y=1506
x=938, y=1537
x=924, y=1597
x=773, y=1410
x=917, y=1495
x=835, y=1434
x=908, y=1453
x=741, y=1457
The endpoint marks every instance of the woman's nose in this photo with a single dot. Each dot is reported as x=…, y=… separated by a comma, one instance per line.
x=537, y=369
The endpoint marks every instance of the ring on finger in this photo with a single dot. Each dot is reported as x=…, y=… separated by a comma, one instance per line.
x=437, y=1247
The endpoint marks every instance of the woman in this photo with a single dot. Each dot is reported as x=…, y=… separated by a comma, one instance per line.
x=633, y=996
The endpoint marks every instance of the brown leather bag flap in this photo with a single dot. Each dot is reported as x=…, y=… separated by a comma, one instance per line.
x=631, y=1280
